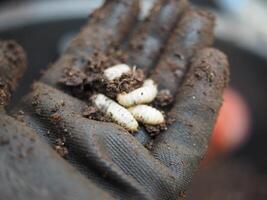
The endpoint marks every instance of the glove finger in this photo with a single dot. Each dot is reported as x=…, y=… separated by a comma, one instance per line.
x=13, y=64
x=149, y=39
x=150, y=36
x=30, y=169
x=194, y=31
x=107, y=27
x=197, y=104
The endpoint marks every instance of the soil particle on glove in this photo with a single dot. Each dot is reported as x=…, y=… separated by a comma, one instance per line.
x=4, y=94
x=97, y=63
x=155, y=130
x=163, y=99
x=55, y=117
x=73, y=77
x=94, y=113
x=92, y=67
x=149, y=145
x=60, y=147
x=20, y=116
x=13, y=64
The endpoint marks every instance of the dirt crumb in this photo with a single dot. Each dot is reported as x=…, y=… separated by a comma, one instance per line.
x=73, y=77
x=155, y=130
x=55, y=117
x=21, y=112
x=163, y=99
x=126, y=83
x=87, y=75
x=94, y=113
x=60, y=147
x=13, y=64
x=4, y=94
x=149, y=145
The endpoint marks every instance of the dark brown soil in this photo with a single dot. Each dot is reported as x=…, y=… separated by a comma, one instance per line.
x=163, y=99
x=149, y=145
x=155, y=130
x=93, y=113
x=126, y=83
x=91, y=78
x=84, y=71
x=60, y=147
x=13, y=64
x=73, y=77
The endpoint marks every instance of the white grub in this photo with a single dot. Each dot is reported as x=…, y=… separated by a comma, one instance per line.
x=146, y=94
x=147, y=115
x=116, y=112
x=116, y=71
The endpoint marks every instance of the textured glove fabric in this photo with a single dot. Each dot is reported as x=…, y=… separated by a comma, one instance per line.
x=13, y=63
x=103, y=161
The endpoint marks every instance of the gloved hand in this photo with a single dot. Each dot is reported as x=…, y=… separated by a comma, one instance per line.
x=172, y=46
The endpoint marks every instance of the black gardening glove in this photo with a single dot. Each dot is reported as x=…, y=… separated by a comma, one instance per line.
x=172, y=46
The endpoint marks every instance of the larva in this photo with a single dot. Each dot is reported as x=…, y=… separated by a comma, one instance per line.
x=147, y=114
x=116, y=112
x=116, y=71
x=146, y=94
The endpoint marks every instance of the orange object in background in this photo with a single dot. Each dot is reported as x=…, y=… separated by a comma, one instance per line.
x=233, y=124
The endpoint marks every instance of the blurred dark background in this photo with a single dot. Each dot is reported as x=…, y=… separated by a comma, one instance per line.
x=44, y=28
